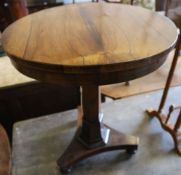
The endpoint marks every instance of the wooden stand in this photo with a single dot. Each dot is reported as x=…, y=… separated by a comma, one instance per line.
x=163, y=118
x=91, y=60
x=92, y=137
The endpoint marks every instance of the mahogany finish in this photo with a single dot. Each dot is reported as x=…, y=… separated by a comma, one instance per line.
x=90, y=45
x=89, y=41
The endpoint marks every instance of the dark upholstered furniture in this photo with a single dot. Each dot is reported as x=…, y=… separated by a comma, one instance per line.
x=34, y=99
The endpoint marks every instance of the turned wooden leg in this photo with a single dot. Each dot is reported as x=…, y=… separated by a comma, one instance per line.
x=92, y=137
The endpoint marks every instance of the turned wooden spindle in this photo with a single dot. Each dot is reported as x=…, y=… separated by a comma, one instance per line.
x=178, y=123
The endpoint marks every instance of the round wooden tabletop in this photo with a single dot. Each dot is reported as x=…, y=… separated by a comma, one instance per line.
x=90, y=43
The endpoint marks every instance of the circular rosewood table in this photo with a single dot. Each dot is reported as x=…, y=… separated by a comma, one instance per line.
x=89, y=45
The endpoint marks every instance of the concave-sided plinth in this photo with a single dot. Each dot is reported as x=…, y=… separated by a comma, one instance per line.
x=91, y=138
x=77, y=151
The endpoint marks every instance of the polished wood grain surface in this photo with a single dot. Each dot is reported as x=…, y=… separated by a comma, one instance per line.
x=89, y=34
x=98, y=42
x=90, y=45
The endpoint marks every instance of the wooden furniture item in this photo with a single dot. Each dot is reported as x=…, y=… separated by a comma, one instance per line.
x=5, y=153
x=173, y=11
x=172, y=129
x=72, y=45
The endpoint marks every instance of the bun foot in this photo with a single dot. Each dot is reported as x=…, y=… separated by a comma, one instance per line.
x=65, y=170
x=130, y=151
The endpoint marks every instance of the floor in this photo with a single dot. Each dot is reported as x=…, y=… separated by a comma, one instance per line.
x=37, y=143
